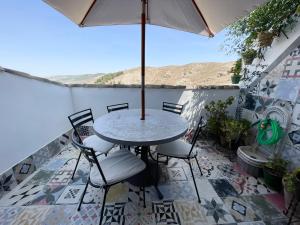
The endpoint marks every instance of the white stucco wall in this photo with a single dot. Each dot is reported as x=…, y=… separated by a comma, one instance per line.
x=32, y=113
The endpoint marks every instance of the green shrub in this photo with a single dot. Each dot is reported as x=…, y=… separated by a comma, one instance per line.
x=107, y=77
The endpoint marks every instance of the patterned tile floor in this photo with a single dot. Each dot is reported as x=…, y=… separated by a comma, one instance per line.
x=229, y=195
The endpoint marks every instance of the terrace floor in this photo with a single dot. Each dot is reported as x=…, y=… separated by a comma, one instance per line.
x=229, y=196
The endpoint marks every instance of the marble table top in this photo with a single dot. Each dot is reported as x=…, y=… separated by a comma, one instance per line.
x=126, y=128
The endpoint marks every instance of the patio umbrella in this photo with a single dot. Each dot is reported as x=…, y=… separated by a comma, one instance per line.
x=204, y=17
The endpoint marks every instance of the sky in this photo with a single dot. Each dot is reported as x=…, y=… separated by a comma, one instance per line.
x=36, y=39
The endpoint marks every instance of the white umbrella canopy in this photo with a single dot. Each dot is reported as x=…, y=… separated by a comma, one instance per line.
x=204, y=17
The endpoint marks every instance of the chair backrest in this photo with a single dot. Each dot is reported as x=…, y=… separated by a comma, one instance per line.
x=89, y=154
x=196, y=134
x=80, y=118
x=172, y=107
x=111, y=108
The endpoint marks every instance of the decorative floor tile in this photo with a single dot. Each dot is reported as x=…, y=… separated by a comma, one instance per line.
x=41, y=177
x=114, y=214
x=61, y=177
x=136, y=214
x=24, y=169
x=31, y=215
x=135, y=194
x=54, y=164
x=216, y=213
x=223, y=188
x=21, y=195
x=48, y=195
x=118, y=193
x=60, y=215
x=190, y=212
x=165, y=213
x=178, y=191
x=8, y=181
x=276, y=199
x=93, y=195
x=247, y=185
x=240, y=210
x=71, y=194
x=7, y=215
x=41, y=156
x=176, y=174
x=88, y=214
x=265, y=210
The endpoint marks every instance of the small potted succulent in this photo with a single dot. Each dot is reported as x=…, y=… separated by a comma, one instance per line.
x=273, y=171
x=249, y=55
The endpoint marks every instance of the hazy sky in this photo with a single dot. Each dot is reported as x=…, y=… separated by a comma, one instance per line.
x=36, y=39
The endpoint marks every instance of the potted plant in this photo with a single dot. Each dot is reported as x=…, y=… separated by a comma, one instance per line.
x=265, y=38
x=249, y=55
x=273, y=171
x=291, y=186
x=233, y=131
x=236, y=70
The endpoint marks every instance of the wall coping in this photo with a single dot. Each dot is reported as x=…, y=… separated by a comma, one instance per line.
x=28, y=76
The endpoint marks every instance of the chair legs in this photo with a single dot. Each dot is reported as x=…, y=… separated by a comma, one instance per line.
x=103, y=204
x=82, y=196
x=199, y=166
x=194, y=182
x=76, y=165
x=144, y=197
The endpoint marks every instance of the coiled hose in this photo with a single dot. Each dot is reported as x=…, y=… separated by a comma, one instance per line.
x=264, y=128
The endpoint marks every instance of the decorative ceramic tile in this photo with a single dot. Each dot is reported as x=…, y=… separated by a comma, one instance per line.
x=295, y=137
x=296, y=114
x=165, y=212
x=178, y=191
x=240, y=210
x=93, y=195
x=60, y=215
x=216, y=213
x=88, y=214
x=24, y=169
x=21, y=195
x=262, y=208
x=118, y=193
x=190, y=212
x=262, y=104
x=8, y=181
x=291, y=67
x=40, y=177
x=7, y=215
x=268, y=87
x=138, y=215
x=54, y=164
x=223, y=188
x=54, y=147
x=176, y=174
x=250, y=102
x=114, y=214
x=135, y=194
x=48, y=195
x=252, y=223
x=80, y=176
x=68, y=152
x=61, y=177
x=71, y=194
x=247, y=185
x=31, y=215
x=41, y=156
x=287, y=90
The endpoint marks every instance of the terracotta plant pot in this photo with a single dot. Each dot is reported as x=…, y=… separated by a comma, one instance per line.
x=265, y=39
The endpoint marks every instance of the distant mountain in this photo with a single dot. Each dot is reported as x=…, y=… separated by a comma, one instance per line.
x=208, y=73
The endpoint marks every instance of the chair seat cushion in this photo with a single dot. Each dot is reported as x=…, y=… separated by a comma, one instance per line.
x=176, y=148
x=98, y=144
x=116, y=167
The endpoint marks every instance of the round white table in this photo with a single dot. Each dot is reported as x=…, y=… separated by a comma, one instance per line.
x=125, y=127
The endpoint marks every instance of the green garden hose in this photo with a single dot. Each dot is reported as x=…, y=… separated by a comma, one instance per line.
x=264, y=128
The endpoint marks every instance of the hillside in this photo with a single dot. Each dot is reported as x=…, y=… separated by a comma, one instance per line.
x=211, y=73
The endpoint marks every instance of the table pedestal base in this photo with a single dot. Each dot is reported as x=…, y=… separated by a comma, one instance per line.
x=147, y=177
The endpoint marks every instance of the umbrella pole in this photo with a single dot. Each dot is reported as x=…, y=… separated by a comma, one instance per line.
x=143, y=28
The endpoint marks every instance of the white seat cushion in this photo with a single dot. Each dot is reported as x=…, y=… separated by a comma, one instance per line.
x=116, y=167
x=98, y=144
x=176, y=148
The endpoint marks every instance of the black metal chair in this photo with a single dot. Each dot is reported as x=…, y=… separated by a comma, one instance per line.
x=121, y=106
x=172, y=107
x=79, y=121
x=182, y=150
x=113, y=169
